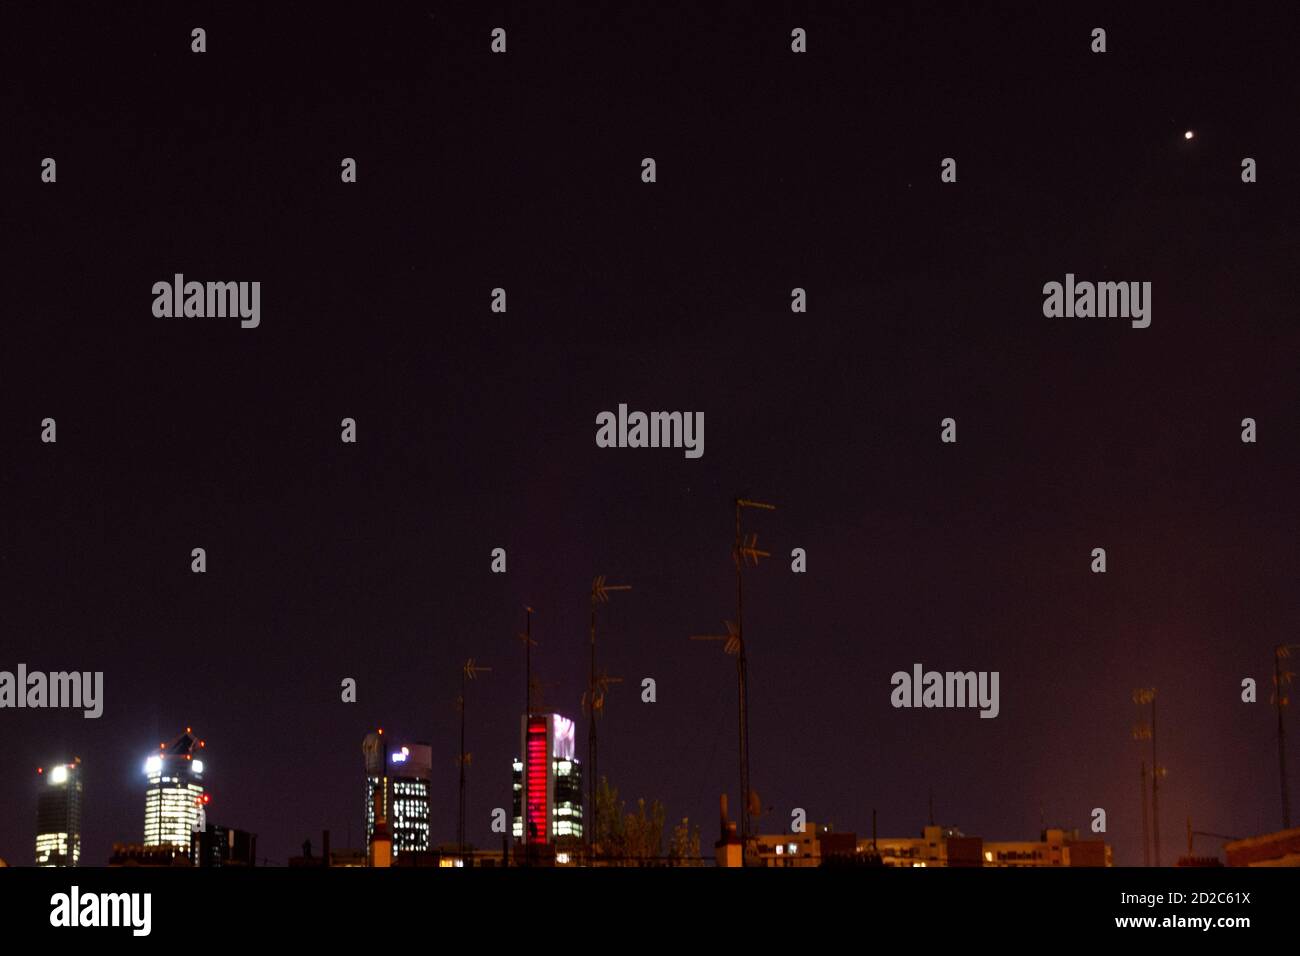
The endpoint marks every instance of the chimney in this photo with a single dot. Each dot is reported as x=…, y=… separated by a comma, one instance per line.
x=728, y=849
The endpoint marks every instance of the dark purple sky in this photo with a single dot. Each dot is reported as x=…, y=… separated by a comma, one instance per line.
x=476, y=430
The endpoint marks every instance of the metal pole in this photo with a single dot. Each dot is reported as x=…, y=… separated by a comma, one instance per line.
x=528, y=710
x=1278, y=653
x=1155, y=786
x=460, y=820
x=1146, y=834
x=597, y=684
x=594, y=815
x=742, y=692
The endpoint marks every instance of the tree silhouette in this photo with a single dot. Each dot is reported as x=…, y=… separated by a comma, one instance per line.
x=637, y=838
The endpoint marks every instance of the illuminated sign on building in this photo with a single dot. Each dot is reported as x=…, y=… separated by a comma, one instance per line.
x=562, y=737
x=538, y=780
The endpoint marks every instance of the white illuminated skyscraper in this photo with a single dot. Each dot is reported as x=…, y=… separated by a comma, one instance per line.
x=174, y=802
x=402, y=774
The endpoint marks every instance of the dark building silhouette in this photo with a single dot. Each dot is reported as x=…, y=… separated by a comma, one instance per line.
x=58, y=815
x=136, y=854
x=216, y=845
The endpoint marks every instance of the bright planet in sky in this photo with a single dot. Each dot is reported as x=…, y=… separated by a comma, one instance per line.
x=1188, y=135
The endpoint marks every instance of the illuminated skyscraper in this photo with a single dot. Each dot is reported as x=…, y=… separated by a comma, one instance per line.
x=554, y=780
x=174, y=803
x=403, y=772
x=58, y=815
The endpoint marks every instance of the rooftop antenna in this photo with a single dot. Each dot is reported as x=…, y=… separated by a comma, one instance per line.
x=539, y=693
x=1195, y=833
x=1281, y=678
x=527, y=638
x=593, y=702
x=468, y=673
x=745, y=551
x=1142, y=731
x=1146, y=825
x=593, y=706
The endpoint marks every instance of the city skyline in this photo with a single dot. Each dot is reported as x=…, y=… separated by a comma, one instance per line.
x=477, y=429
x=433, y=828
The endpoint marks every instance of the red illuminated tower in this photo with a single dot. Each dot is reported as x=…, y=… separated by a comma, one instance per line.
x=548, y=785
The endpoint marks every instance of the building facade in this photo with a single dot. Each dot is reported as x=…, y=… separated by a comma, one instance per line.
x=134, y=854
x=554, y=782
x=936, y=846
x=1281, y=848
x=175, y=803
x=402, y=774
x=948, y=846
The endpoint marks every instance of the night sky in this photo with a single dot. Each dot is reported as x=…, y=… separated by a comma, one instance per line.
x=476, y=430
